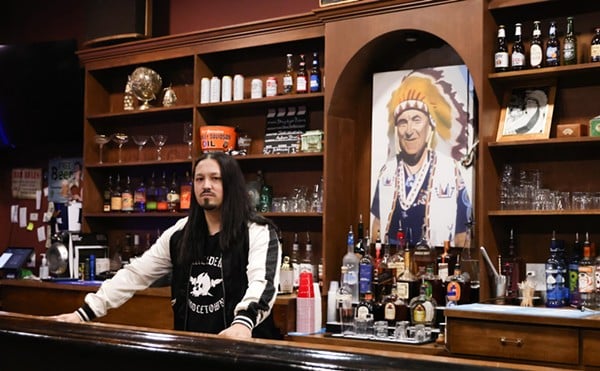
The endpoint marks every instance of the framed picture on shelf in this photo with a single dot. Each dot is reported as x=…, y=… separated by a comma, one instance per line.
x=527, y=112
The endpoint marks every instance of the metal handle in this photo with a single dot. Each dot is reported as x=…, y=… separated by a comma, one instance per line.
x=504, y=341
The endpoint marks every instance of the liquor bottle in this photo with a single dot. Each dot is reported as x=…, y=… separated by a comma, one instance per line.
x=501, y=55
x=344, y=303
x=288, y=77
x=286, y=280
x=469, y=266
x=173, y=195
x=365, y=306
x=517, y=57
x=424, y=255
x=359, y=246
x=139, y=197
x=456, y=287
x=315, y=74
x=106, y=195
x=266, y=198
x=301, y=76
x=555, y=281
x=596, y=277
x=151, y=194
x=136, y=249
x=535, y=49
x=307, y=263
x=512, y=268
x=116, y=200
x=351, y=262
x=595, y=46
x=386, y=275
x=435, y=286
x=127, y=196
x=295, y=260
x=365, y=272
x=442, y=261
x=161, y=194
x=185, y=193
x=422, y=308
x=396, y=260
x=127, y=249
x=407, y=285
x=570, y=44
x=587, y=273
x=375, y=285
x=552, y=47
x=395, y=309
x=574, y=297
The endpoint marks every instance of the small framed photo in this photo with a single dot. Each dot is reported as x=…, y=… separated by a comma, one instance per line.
x=527, y=112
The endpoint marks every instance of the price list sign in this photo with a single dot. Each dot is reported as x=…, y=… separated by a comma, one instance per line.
x=26, y=182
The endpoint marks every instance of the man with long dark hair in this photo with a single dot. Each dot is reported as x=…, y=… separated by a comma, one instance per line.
x=224, y=259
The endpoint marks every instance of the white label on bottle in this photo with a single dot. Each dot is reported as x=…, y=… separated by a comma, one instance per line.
x=535, y=55
x=256, y=89
x=402, y=290
x=501, y=60
x=238, y=87
x=301, y=84
x=205, y=90
x=569, y=51
x=226, y=89
x=518, y=59
x=215, y=90
x=586, y=279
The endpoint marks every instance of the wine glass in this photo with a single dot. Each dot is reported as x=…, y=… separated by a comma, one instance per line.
x=159, y=140
x=188, y=137
x=101, y=140
x=120, y=139
x=141, y=141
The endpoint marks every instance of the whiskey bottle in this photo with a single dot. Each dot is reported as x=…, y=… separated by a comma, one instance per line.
x=574, y=298
x=422, y=308
x=365, y=306
x=288, y=77
x=517, y=57
x=395, y=309
x=552, y=47
x=435, y=287
x=350, y=261
x=407, y=285
x=535, y=49
x=396, y=261
x=570, y=43
x=185, y=193
x=127, y=196
x=116, y=200
x=512, y=268
x=595, y=46
x=106, y=195
x=301, y=76
x=424, y=255
x=173, y=195
x=443, y=259
x=315, y=74
x=587, y=286
x=456, y=287
x=501, y=55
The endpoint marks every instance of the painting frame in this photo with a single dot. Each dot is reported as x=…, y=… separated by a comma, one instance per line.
x=527, y=112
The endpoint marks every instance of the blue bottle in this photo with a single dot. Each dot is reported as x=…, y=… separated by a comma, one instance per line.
x=555, y=275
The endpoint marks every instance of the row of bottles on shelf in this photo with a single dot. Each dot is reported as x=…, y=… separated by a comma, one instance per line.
x=552, y=54
x=571, y=278
x=297, y=80
x=299, y=200
x=125, y=195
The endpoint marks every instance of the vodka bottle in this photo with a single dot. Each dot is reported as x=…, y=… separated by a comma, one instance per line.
x=350, y=261
x=555, y=281
x=587, y=273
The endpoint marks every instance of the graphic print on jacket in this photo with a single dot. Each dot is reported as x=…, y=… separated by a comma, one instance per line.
x=205, y=299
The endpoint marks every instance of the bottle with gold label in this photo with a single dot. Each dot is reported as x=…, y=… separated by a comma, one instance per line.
x=595, y=46
x=422, y=308
x=286, y=280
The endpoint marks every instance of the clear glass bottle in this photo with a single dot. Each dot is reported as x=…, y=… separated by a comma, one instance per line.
x=595, y=46
x=536, y=48
x=344, y=303
x=501, y=62
x=301, y=76
x=555, y=281
x=552, y=47
x=307, y=262
x=570, y=43
x=517, y=56
x=350, y=261
x=295, y=260
x=288, y=76
x=469, y=266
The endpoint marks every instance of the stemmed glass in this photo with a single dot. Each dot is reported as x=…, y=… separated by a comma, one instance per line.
x=159, y=140
x=101, y=140
x=188, y=137
x=120, y=139
x=141, y=141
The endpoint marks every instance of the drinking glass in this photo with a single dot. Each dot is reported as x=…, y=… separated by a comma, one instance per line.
x=141, y=141
x=120, y=139
x=188, y=137
x=101, y=140
x=159, y=140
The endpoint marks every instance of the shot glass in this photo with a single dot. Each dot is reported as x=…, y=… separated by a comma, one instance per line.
x=381, y=329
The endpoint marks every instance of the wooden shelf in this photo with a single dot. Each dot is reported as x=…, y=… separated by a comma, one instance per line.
x=500, y=213
x=579, y=141
x=572, y=75
x=297, y=99
x=149, y=214
x=136, y=114
x=112, y=165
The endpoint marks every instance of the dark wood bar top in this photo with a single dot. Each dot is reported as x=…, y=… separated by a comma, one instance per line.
x=98, y=346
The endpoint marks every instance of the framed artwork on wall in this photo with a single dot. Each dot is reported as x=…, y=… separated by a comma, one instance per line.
x=423, y=132
x=527, y=112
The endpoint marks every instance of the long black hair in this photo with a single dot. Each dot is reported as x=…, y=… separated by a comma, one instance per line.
x=236, y=212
